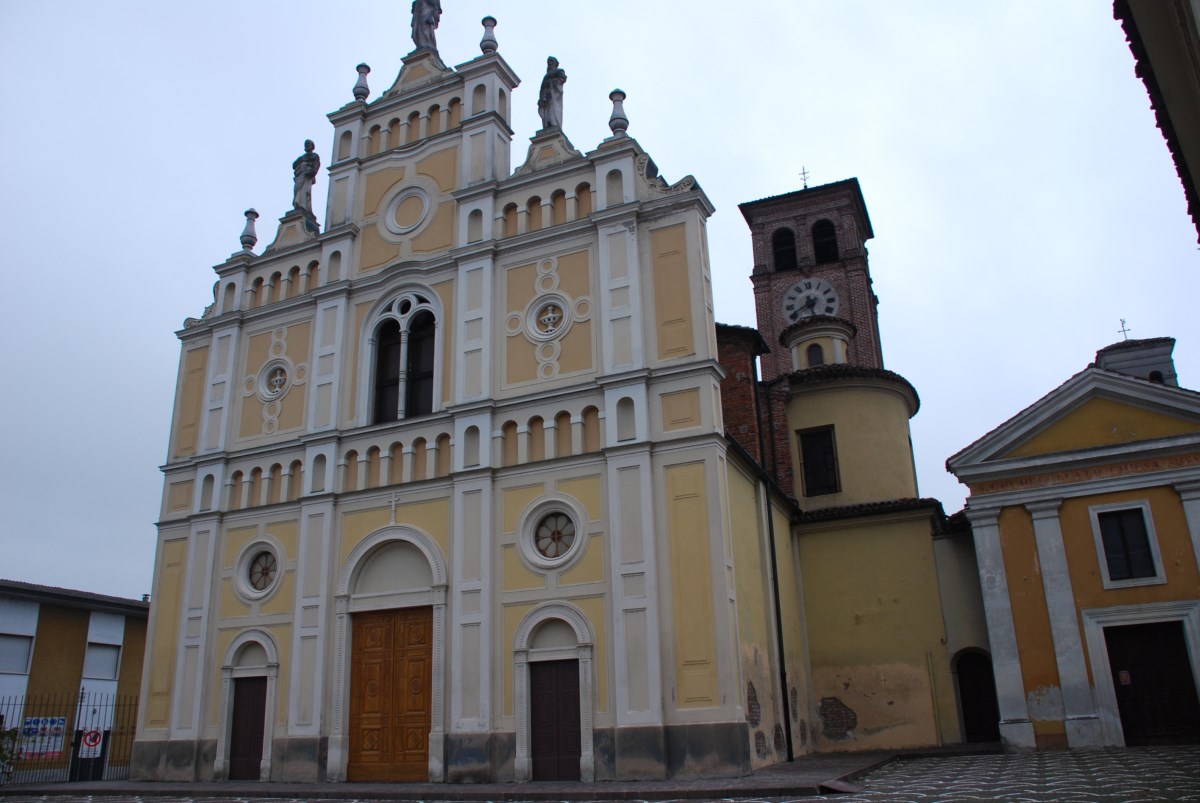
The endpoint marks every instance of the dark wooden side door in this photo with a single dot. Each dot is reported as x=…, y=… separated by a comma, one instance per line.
x=1156, y=690
x=391, y=664
x=554, y=720
x=246, y=730
x=977, y=697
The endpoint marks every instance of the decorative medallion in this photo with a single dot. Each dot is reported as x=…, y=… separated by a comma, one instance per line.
x=274, y=379
x=548, y=318
x=554, y=535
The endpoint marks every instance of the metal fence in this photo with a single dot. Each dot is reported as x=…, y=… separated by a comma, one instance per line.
x=50, y=738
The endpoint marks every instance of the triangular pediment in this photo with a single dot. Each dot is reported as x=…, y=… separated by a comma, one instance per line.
x=1102, y=421
x=1094, y=412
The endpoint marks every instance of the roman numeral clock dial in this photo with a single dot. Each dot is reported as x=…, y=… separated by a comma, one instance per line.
x=809, y=297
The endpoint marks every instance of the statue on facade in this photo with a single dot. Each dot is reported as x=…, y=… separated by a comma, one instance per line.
x=305, y=171
x=550, y=96
x=425, y=17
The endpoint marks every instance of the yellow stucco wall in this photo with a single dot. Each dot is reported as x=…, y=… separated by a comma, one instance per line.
x=432, y=517
x=291, y=405
x=672, y=292
x=1103, y=422
x=874, y=453
x=593, y=610
x=167, y=599
x=693, y=623
x=756, y=615
x=876, y=636
x=191, y=401
x=1174, y=544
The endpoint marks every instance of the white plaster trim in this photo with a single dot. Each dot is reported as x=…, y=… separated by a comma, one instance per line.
x=530, y=517
x=345, y=602
x=367, y=347
x=1159, y=577
x=461, y=620
x=522, y=655
x=1078, y=707
x=1094, y=622
x=335, y=308
x=241, y=581
x=1016, y=729
x=977, y=459
x=229, y=673
x=314, y=545
x=1127, y=482
x=1189, y=495
x=623, y=603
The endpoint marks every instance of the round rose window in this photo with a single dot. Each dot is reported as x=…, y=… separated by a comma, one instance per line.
x=262, y=570
x=554, y=535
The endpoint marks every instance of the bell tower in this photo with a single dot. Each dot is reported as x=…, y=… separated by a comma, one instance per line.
x=812, y=286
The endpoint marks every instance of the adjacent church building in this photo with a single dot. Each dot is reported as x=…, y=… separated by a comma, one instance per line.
x=465, y=482
x=1085, y=508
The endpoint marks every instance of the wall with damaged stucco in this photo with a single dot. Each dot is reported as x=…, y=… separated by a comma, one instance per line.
x=873, y=605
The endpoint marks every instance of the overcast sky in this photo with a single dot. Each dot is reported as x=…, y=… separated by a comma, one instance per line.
x=1022, y=199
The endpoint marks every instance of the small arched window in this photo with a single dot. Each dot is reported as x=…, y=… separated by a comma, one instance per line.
x=825, y=244
x=816, y=355
x=783, y=246
x=405, y=345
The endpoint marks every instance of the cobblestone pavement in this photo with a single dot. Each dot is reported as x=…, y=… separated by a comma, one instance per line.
x=1139, y=775
x=1134, y=775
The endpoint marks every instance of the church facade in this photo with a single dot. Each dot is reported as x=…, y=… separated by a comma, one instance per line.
x=467, y=484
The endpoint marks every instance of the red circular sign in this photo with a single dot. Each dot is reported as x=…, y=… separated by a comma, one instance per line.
x=91, y=738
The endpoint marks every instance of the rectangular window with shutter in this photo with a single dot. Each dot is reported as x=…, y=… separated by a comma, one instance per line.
x=818, y=458
x=1126, y=546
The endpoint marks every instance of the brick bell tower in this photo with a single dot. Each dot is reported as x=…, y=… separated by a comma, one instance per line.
x=812, y=286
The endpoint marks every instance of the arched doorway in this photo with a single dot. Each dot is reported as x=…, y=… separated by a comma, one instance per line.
x=977, y=696
x=390, y=625
x=553, y=662
x=248, y=678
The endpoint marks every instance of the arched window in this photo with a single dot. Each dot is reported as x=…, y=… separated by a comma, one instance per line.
x=419, y=398
x=816, y=355
x=405, y=345
x=783, y=245
x=825, y=244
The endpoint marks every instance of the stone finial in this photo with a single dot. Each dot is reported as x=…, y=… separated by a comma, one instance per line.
x=618, y=122
x=361, y=90
x=488, y=43
x=249, y=237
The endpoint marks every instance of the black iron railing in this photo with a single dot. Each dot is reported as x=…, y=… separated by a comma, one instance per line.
x=48, y=738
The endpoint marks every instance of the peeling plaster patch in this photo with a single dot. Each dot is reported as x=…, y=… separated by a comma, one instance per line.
x=803, y=733
x=837, y=719
x=1045, y=702
x=760, y=745
x=753, y=709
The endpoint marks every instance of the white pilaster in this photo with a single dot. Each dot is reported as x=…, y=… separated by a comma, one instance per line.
x=1016, y=729
x=1079, y=708
x=1189, y=493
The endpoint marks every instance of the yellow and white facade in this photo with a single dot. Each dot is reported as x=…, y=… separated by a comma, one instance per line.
x=543, y=479
x=1085, y=509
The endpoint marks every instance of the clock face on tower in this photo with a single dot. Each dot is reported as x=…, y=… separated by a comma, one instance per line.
x=809, y=297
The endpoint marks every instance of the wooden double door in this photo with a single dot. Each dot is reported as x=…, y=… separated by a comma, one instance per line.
x=1154, y=683
x=391, y=660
